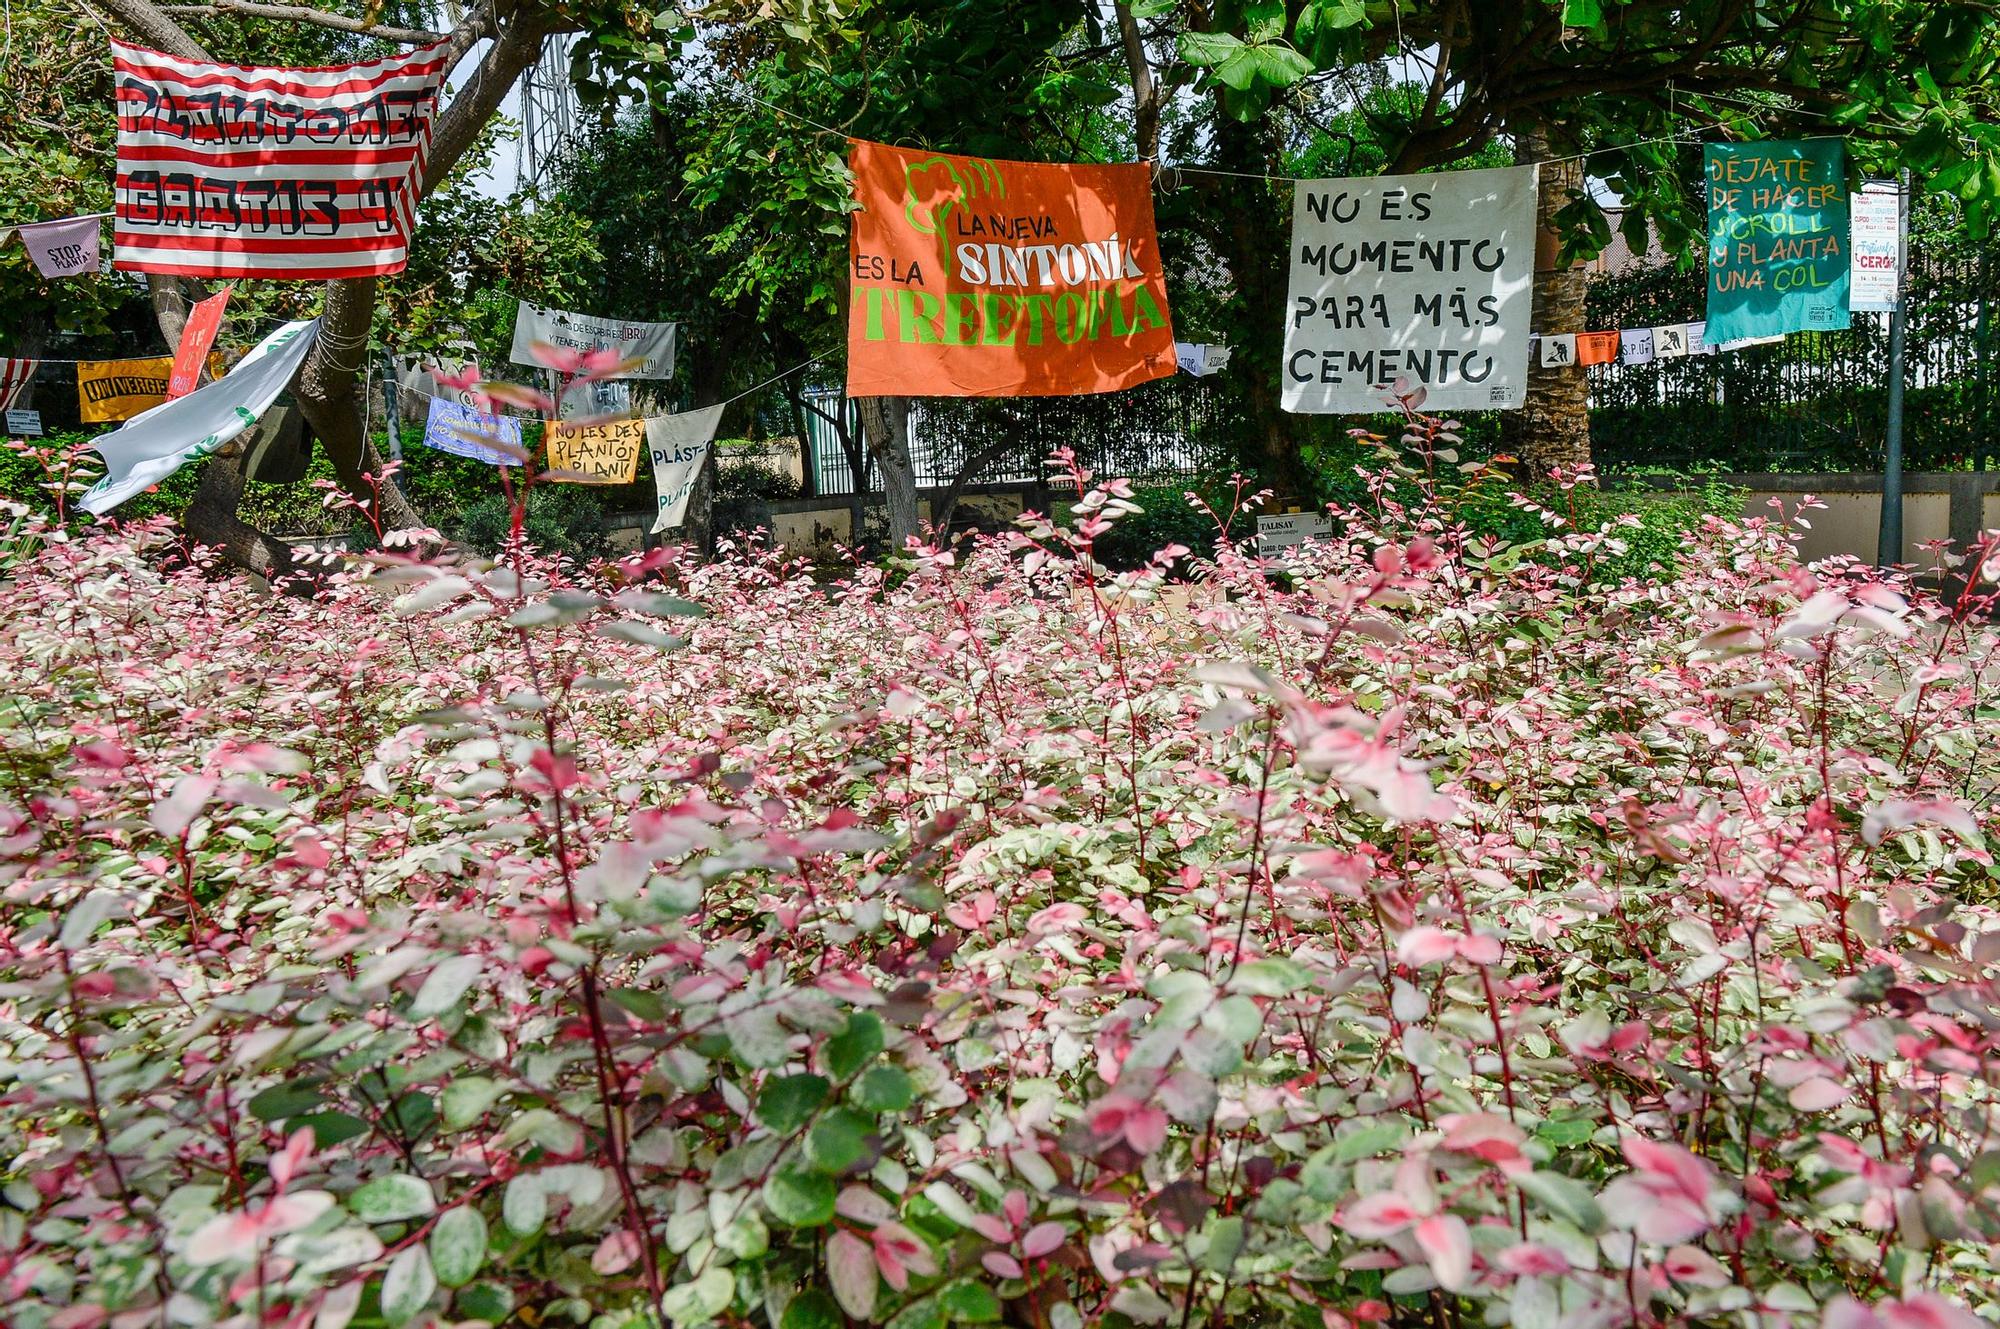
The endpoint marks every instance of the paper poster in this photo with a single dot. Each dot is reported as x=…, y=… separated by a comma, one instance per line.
x=66, y=248
x=1422, y=278
x=1875, y=241
x=24, y=424
x=251, y=171
x=1596, y=348
x=608, y=452
x=152, y=446
x=120, y=389
x=197, y=335
x=464, y=432
x=978, y=278
x=679, y=445
x=1777, y=238
x=1635, y=346
x=652, y=344
x=1558, y=349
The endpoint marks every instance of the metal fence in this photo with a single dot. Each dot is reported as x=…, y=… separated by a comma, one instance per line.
x=1169, y=428
x=1816, y=401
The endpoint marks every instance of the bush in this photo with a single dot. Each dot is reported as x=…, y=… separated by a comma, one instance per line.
x=1447, y=939
x=560, y=520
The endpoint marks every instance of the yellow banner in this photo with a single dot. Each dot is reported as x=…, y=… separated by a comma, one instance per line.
x=605, y=454
x=120, y=389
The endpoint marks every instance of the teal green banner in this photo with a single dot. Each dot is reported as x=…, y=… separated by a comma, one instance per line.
x=1777, y=238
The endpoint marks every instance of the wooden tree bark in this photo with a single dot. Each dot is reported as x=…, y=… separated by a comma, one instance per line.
x=329, y=385
x=885, y=421
x=1553, y=429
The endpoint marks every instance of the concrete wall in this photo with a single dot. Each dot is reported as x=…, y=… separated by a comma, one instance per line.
x=1937, y=505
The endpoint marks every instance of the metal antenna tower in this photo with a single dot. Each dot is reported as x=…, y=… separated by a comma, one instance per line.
x=549, y=113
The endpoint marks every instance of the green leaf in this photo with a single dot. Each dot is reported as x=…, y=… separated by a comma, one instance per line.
x=970, y=1303
x=466, y=1099
x=1269, y=63
x=1379, y=1138
x=1225, y=1243
x=884, y=1089
x=392, y=1199
x=1337, y=14
x=1272, y=978
x=703, y=1299
x=1202, y=49
x=853, y=1047
x=800, y=1199
x=788, y=1103
x=330, y=1128
x=284, y=1099
x=445, y=985
x=839, y=1141
x=458, y=1245
x=925, y=1314
x=1564, y=1197
x=525, y=1206
x=1582, y=13
x=1566, y=1130
x=1152, y=8
x=407, y=1285
x=648, y=1005
x=811, y=1309
x=485, y=1301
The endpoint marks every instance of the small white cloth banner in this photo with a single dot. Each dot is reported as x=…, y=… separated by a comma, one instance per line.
x=1424, y=278
x=680, y=445
x=1670, y=342
x=1200, y=358
x=1635, y=346
x=154, y=444
x=245, y=171
x=15, y=375
x=1699, y=344
x=1558, y=349
x=463, y=432
x=650, y=343
x=596, y=399
x=419, y=375
x=66, y=248
x=1875, y=245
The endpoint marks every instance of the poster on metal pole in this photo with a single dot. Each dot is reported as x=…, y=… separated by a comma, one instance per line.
x=1875, y=243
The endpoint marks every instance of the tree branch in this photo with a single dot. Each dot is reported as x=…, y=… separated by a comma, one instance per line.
x=300, y=14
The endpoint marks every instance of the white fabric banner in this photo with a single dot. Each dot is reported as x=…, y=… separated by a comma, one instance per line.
x=1200, y=358
x=1558, y=349
x=651, y=343
x=1635, y=346
x=1670, y=342
x=154, y=444
x=596, y=399
x=1424, y=278
x=680, y=445
x=419, y=375
x=1875, y=245
x=65, y=248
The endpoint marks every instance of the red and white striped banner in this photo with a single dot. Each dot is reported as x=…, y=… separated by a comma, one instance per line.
x=244, y=171
x=15, y=375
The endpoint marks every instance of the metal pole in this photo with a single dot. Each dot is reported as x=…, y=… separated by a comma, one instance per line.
x=1889, y=546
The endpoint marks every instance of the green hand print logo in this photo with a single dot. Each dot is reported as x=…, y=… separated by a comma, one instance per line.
x=937, y=187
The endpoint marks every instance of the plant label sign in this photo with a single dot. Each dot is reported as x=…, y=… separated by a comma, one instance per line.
x=1421, y=279
x=24, y=424
x=1777, y=238
x=1284, y=529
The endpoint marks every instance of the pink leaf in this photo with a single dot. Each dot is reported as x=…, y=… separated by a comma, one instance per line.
x=1447, y=1245
x=850, y=1268
x=1146, y=1128
x=616, y=1253
x=1425, y=945
x=1001, y=1265
x=1041, y=1239
x=172, y=815
x=863, y=1206
x=1817, y=1094
x=1380, y=1215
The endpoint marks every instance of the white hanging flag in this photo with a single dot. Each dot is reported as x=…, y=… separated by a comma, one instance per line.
x=1200, y=358
x=1558, y=349
x=1670, y=342
x=63, y=248
x=1635, y=346
x=154, y=444
x=1423, y=278
x=680, y=445
x=1875, y=245
x=652, y=344
x=596, y=399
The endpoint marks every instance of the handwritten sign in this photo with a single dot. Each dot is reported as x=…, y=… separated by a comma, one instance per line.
x=607, y=453
x=1421, y=278
x=1777, y=238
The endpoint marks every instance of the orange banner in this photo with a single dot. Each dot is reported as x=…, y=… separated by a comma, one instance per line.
x=978, y=278
x=1596, y=348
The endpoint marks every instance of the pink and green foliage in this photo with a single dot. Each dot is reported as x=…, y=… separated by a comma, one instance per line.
x=1433, y=934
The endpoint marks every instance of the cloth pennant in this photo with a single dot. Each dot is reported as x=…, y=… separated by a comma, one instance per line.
x=1635, y=346
x=64, y=248
x=1558, y=349
x=1596, y=348
x=15, y=375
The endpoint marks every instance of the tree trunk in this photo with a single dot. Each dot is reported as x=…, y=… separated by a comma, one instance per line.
x=1146, y=91
x=885, y=422
x=1253, y=241
x=1553, y=429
